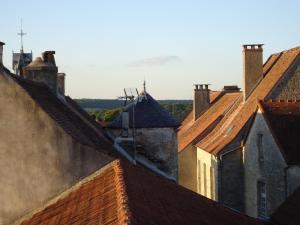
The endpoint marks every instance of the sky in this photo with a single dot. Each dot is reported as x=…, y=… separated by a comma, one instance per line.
x=104, y=46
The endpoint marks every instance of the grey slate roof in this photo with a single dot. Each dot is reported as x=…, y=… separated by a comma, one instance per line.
x=148, y=113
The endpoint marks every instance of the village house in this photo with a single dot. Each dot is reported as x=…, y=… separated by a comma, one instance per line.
x=271, y=156
x=155, y=134
x=212, y=143
x=58, y=166
x=47, y=142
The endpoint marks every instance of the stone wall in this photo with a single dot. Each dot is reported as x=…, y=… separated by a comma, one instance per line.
x=269, y=169
x=187, y=168
x=293, y=178
x=289, y=86
x=38, y=159
x=160, y=143
x=231, y=191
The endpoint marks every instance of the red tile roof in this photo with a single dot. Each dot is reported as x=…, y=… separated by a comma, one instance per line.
x=122, y=193
x=283, y=118
x=191, y=131
x=230, y=128
x=288, y=212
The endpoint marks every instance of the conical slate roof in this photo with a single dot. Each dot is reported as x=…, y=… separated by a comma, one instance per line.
x=148, y=113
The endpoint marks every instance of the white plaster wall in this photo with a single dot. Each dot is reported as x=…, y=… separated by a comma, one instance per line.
x=187, y=168
x=270, y=171
x=211, y=174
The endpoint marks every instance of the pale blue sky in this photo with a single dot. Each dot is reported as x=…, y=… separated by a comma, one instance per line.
x=104, y=46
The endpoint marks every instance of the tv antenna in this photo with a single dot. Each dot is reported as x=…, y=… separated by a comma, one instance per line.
x=130, y=96
x=21, y=35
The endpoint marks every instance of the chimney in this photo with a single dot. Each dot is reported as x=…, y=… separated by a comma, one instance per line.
x=43, y=70
x=61, y=83
x=201, y=100
x=231, y=88
x=253, y=67
x=1, y=52
x=48, y=57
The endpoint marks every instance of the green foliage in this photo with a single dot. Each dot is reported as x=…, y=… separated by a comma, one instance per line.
x=108, y=110
x=105, y=114
x=110, y=115
x=178, y=110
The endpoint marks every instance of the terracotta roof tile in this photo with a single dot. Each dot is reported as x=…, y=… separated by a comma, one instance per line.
x=123, y=193
x=228, y=131
x=192, y=130
x=283, y=118
x=288, y=212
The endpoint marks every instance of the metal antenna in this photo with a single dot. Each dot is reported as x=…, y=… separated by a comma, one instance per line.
x=131, y=94
x=144, y=84
x=21, y=34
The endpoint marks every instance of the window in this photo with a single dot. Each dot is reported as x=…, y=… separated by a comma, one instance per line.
x=260, y=147
x=199, y=176
x=212, y=183
x=204, y=180
x=261, y=199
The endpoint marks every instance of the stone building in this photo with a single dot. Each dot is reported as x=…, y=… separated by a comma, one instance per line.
x=49, y=147
x=47, y=143
x=155, y=134
x=271, y=156
x=211, y=146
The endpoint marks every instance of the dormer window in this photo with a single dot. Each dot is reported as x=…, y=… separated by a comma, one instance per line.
x=259, y=143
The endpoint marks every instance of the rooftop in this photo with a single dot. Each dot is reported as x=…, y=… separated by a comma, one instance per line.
x=235, y=125
x=123, y=193
x=192, y=131
x=288, y=212
x=148, y=113
x=283, y=118
x=67, y=114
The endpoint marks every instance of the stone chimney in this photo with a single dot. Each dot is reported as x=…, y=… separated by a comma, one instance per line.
x=61, y=83
x=201, y=100
x=252, y=67
x=43, y=70
x=1, y=52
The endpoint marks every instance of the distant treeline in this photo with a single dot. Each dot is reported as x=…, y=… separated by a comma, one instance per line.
x=114, y=103
x=108, y=109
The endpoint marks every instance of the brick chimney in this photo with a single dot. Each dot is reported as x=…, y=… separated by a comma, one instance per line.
x=201, y=100
x=1, y=52
x=43, y=70
x=252, y=67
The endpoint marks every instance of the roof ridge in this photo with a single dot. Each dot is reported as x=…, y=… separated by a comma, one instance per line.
x=124, y=213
